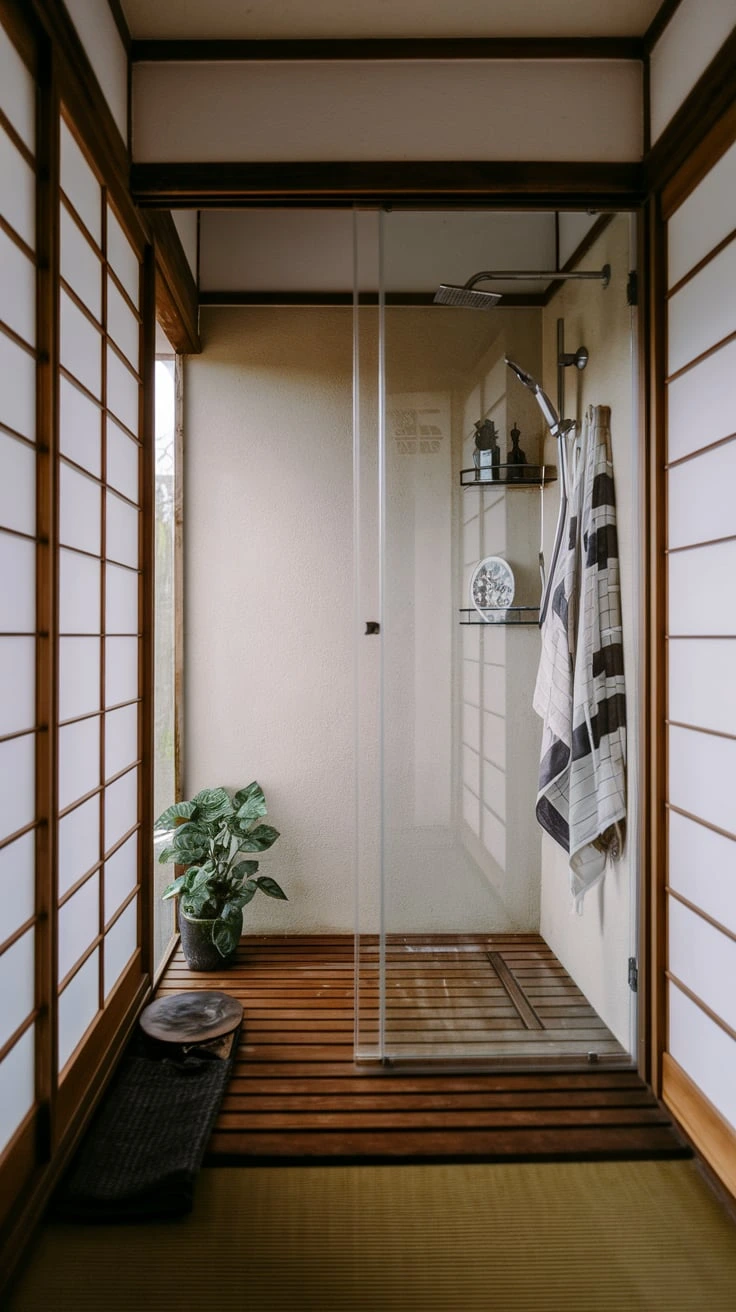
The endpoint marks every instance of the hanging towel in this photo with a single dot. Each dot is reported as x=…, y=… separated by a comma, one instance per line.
x=597, y=790
x=553, y=692
x=579, y=692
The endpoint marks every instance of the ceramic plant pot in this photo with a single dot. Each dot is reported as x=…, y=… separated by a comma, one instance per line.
x=197, y=945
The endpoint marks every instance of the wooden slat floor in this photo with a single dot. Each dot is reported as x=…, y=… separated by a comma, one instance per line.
x=297, y=1093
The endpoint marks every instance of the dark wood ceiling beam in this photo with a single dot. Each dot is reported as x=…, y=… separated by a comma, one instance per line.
x=460, y=48
x=176, y=291
x=527, y=185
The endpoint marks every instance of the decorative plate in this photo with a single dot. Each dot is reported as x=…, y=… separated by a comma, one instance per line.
x=492, y=585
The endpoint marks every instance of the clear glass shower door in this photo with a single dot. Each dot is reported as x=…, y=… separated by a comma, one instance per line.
x=450, y=962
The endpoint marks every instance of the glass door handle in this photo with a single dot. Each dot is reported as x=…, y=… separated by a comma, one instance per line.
x=371, y=627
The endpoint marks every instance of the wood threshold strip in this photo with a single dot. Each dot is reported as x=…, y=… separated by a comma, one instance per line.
x=297, y=1093
x=391, y=48
x=701, y=1121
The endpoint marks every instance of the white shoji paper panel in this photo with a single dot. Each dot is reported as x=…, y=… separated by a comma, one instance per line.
x=80, y=265
x=18, y=593
x=700, y=497
x=18, y=793
x=704, y=1051
x=18, y=294
x=703, y=959
x=701, y=684
x=80, y=184
x=18, y=194
x=17, y=485
x=121, y=739
x=79, y=512
x=80, y=346
x=701, y=404
x=701, y=592
x=17, y=92
x=80, y=427
x=122, y=324
x=122, y=392
x=702, y=868
x=79, y=843
x=703, y=311
x=17, y=984
x=471, y=770
x=79, y=677
x=494, y=788
x=79, y=593
x=121, y=875
x=704, y=219
x=121, y=531
x=120, y=944
x=471, y=811
x=17, y=388
x=121, y=808
x=79, y=760
x=17, y=1085
x=78, y=1007
x=702, y=769
x=17, y=884
x=121, y=670
x=122, y=461
x=494, y=837
x=121, y=600
x=122, y=258
x=17, y=686
x=79, y=924
x=494, y=739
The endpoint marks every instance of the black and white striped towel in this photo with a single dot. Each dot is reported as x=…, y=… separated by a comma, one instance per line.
x=580, y=691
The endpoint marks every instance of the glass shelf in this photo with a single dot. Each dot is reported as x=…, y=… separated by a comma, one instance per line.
x=500, y=615
x=509, y=476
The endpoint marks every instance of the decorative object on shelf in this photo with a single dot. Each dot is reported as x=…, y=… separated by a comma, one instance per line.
x=491, y=586
x=516, y=458
x=207, y=835
x=487, y=453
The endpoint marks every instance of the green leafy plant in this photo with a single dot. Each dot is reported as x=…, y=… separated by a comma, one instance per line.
x=208, y=835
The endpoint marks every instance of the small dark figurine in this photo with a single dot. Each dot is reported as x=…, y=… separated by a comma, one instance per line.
x=515, y=458
x=487, y=454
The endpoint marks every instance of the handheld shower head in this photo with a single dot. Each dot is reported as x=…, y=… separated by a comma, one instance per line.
x=466, y=297
x=543, y=401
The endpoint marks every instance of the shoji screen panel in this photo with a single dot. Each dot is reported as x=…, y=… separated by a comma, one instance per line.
x=100, y=678
x=701, y=656
x=19, y=532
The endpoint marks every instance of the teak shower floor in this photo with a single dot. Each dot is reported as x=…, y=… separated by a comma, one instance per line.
x=296, y=1092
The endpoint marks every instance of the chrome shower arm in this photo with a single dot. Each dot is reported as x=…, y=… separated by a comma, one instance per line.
x=536, y=275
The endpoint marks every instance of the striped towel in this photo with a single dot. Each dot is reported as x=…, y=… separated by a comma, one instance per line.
x=582, y=782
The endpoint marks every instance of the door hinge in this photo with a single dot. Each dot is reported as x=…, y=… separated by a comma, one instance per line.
x=632, y=288
x=633, y=975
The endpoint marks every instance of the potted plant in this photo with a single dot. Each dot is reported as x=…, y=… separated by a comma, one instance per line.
x=207, y=836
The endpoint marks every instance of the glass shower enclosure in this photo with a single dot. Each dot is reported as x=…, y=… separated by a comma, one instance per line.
x=465, y=949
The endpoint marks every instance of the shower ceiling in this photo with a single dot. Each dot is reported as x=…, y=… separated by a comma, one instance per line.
x=293, y=20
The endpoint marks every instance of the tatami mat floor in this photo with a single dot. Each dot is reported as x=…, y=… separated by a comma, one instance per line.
x=532, y=1237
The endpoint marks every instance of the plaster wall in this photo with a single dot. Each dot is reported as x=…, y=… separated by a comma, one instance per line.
x=388, y=110
x=595, y=948
x=689, y=42
x=106, y=53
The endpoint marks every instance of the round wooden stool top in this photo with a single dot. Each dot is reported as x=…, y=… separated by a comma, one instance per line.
x=195, y=1017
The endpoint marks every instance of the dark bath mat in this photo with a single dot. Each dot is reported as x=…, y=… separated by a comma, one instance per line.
x=140, y=1157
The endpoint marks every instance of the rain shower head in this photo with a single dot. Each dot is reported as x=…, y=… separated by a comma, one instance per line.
x=466, y=297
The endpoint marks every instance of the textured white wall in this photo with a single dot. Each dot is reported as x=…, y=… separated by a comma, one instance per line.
x=185, y=222
x=689, y=42
x=391, y=110
x=101, y=40
x=595, y=948
x=268, y=644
